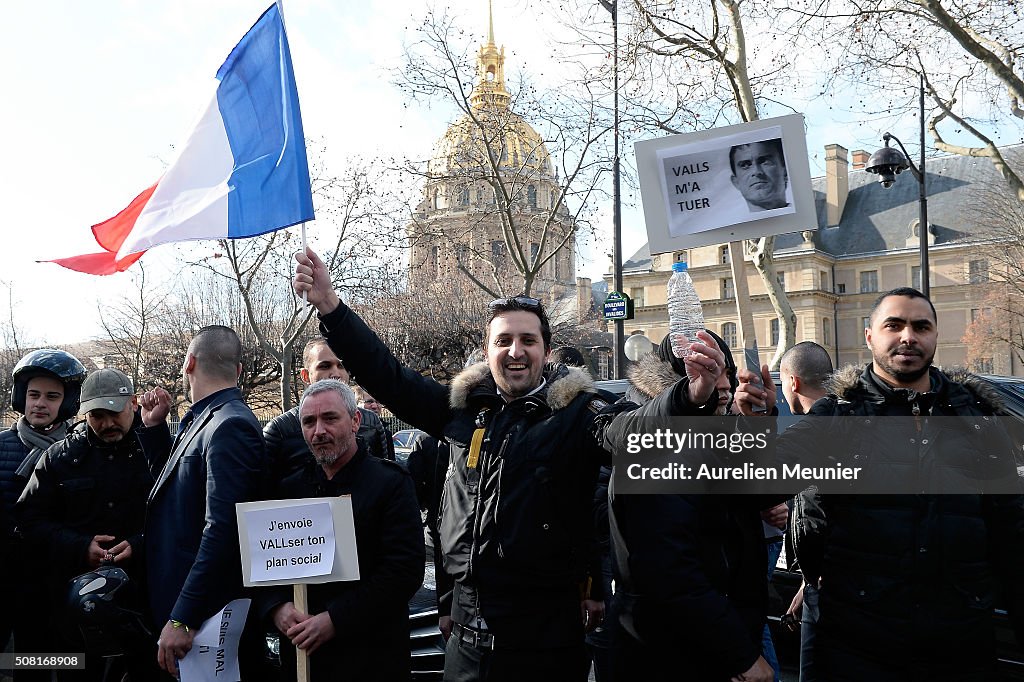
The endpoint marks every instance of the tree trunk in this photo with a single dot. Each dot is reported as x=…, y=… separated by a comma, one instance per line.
x=763, y=252
x=286, y=378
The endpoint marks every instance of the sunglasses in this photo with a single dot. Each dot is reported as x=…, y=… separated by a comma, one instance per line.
x=524, y=301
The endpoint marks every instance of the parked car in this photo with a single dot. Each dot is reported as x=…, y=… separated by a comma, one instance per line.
x=404, y=441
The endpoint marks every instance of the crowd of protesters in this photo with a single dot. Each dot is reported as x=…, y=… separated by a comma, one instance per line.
x=125, y=541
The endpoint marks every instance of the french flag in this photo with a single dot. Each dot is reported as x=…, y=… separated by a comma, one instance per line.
x=242, y=172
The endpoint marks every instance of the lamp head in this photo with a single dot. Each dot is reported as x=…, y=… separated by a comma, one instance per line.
x=887, y=163
x=637, y=346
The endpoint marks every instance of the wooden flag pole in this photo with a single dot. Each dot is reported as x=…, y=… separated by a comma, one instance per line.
x=305, y=298
x=300, y=598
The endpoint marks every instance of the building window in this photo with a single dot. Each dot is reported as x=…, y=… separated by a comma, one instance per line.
x=435, y=257
x=531, y=196
x=841, y=287
x=774, y=331
x=780, y=277
x=462, y=254
x=915, y=277
x=479, y=195
x=980, y=313
x=637, y=294
x=984, y=366
x=464, y=196
x=604, y=367
x=558, y=267
x=729, y=334
x=865, y=322
x=728, y=291
x=534, y=252
x=724, y=256
x=498, y=252
x=823, y=278
x=554, y=197
x=977, y=271
x=868, y=281
x=826, y=331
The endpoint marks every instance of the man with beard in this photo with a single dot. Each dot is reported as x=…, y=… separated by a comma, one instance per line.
x=526, y=443
x=355, y=630
x=908, y=581
x=287, y=452
x=84, y=506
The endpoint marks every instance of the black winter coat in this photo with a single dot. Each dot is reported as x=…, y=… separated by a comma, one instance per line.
x=370, y=615
x=517, y=528
x=692, y=590
x=83, y=487
x=909, y=581
x=12, y=453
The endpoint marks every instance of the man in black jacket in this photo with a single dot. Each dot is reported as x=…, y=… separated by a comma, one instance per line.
x=84, y=506
x=287, y=452
x=47, y=383
x=908, y=581
x=355, y=630
x=516, y=519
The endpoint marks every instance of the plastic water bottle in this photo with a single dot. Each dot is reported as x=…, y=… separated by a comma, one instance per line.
x=685, y=316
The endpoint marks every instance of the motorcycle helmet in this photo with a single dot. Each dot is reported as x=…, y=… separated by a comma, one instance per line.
x=103, y=607
x=49, y=362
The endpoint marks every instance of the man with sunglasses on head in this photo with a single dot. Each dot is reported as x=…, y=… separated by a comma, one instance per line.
x=516, y=524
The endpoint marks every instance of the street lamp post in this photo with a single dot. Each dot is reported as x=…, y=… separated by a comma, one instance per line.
x=619, y=356
x=888, y=163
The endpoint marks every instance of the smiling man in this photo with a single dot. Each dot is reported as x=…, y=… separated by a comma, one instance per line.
x=517, y=529
x=759, y=173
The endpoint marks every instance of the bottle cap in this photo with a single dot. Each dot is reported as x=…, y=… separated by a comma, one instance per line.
x=679, y=266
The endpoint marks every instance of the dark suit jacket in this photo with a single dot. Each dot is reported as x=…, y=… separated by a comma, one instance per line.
x=192, y=560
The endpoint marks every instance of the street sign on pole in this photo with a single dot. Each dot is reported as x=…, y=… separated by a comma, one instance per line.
x=618, y=306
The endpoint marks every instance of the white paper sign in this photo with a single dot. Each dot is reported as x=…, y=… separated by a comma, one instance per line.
x=290, y=543
x=286, y=542
x=706, y=185
x=726, y=184
x=214, y=653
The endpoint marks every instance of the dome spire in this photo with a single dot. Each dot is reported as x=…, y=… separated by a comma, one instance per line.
x=490, y=23
x=490, y=88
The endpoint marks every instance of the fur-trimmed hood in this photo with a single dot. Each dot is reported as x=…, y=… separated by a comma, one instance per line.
x=564, y=384
x=845, y=382
x=651, y=375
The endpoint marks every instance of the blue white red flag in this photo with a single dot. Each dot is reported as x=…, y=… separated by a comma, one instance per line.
x=242, y=172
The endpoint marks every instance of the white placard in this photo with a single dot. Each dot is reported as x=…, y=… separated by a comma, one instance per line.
x=309, y=540
x=291, y=543
x=214, y=653
x=721, y=185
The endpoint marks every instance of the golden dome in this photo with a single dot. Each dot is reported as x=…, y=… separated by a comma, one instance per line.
x=515, y=145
